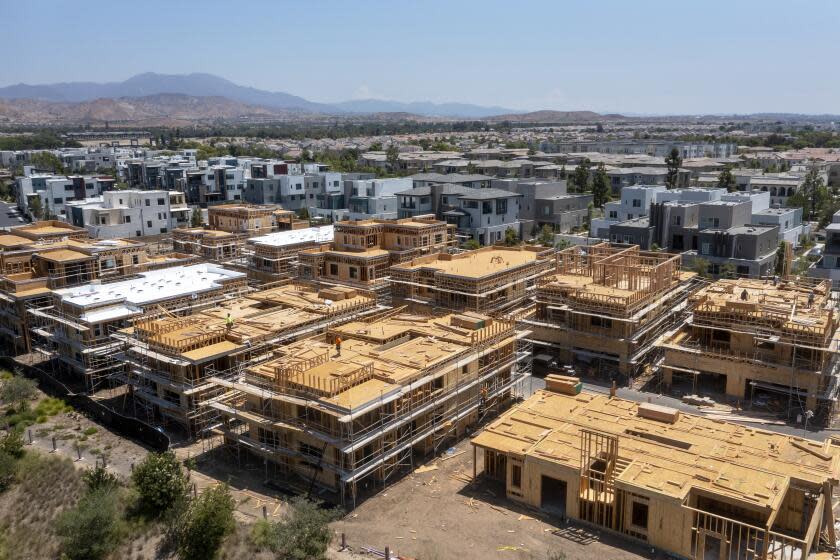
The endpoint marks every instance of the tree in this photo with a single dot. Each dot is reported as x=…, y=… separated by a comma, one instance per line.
x=47, y=213
x=207, y=522
x=17, y=390
x=47, y=161
x=35, y=207
x=673, y=161
x=813, y=196
x=600, y=186
x=701, y=267
x=99, y=478
x=726, y=180
x=303, y=213
x=375, y=147
x=471, y=244
x=305, y=533
x=8, y=470
x=581, y=176
x=92, y=529
x=727, y=270
x=472, y=168
x=12, y=444
x=392, y=156
x=195, y=218
x=511, y=237
x=546, y=236
x=160, y=482
x=562, y=173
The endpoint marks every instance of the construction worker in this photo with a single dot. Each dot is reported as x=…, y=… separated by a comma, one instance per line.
x=338, y=346
x=229, y=321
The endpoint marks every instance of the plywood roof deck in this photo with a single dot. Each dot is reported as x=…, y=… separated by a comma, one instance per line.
x=375, y=358
x=256, y=318
x=64, y=255
x=749, y=465
x=788, y=309
x=474, y=264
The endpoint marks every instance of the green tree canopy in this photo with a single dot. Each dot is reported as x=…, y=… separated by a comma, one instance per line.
x=600, y=186
x=726, y=180
x=581, y=176
x=673, y=161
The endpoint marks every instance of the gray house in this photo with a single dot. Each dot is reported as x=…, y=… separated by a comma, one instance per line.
x=485, y=214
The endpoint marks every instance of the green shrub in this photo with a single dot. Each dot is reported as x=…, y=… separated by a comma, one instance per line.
x=160, y=482
x=264, y=535
x=17, y=389
x=89, y=431
x=98, y=478
x=8, y=469
x=93, y=528
x=207, y=522
x=12, y=443
x=305, y=533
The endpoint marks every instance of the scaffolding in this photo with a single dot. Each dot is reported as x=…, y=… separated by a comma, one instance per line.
x=488, y=280
x=771, y=335
x=381, y=404
x=170, y=359
x=606, y=306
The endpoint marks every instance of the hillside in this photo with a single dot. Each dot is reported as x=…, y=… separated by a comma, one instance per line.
x=556, y=117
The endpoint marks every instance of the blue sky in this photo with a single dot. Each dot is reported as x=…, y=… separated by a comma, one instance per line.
x=631, y=56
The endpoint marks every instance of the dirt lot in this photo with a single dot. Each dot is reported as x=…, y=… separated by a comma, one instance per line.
x=438, y=513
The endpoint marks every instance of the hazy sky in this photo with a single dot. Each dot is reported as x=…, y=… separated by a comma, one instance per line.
x=630, y=56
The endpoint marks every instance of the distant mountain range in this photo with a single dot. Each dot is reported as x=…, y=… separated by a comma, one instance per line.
x=208, y=85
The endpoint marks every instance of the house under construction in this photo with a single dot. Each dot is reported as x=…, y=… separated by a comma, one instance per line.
x=347, y=417
x=363, y=251
x=487, y=280
x=694, y=487
x=51, y=256
x=748, y=337
x=252, y=219
x=168, y=358
x=605, y=306
x=274, y=256
x=210, y=244
x=76, y=324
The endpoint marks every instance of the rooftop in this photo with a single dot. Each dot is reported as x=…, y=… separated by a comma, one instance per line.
x=474, y=264
x=488, y=194
x=323, y=234
x=693, y=453
x=150, y=287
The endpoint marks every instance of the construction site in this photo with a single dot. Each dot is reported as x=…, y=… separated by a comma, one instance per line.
x=168, y=358
x=693, y=487
x=362, y=252
x=346, y=412
x=487, y=280
x=75, y=325
x=604, y=307
x=42, y=256
x=770, y=341
x=274, y=256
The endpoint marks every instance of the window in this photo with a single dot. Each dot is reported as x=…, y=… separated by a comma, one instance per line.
x=613, y=214
x=163, y=230
x=57, y=200
x=148, y=223
x=639, y=516
x=127, y=220
x=501, y=206
x=354, y=272
x=516, y=476
x=486, y=207
x=135, y=259
x=161, y=202
x=677, y=220
x=637, y=203
x=600, y=322
x=148, y=202
x=333, y=270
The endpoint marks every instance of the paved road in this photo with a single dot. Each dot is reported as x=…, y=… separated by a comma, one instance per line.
x=10, y=215
x=535, y=383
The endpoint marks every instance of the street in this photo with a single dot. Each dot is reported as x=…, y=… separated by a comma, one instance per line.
x=10, y=216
